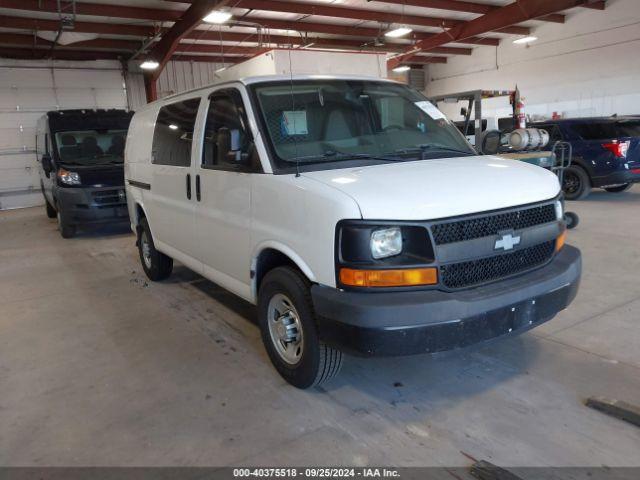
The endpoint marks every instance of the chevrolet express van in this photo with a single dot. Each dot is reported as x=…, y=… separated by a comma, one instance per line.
x=80, y=157
x=352, y=213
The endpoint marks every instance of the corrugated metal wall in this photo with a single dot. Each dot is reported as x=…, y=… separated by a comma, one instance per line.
x=28, y=89
x=176, y=77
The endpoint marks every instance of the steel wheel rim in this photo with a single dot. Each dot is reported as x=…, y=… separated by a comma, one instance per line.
x=285, y=329
x=146, y=249
x=571, y=183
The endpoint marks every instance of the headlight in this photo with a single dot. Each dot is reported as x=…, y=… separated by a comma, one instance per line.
x=559, y=210
x=68, y=178
x=386, y=243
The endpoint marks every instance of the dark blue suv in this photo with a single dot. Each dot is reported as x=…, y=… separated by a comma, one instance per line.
x=606, y=153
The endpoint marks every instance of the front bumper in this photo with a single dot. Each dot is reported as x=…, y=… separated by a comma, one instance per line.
x=431, y=321
x=92, y=205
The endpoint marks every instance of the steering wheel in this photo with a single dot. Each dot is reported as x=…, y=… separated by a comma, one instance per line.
x=393, y=127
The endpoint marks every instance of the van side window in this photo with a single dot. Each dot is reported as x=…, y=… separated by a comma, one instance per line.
x=226, y=141
x=173, y=134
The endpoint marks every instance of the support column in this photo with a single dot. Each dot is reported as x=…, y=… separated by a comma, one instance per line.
x=150, y=88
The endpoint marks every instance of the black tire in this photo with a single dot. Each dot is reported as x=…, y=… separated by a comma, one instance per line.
x=318, y=362
x=571, y=219
x=619, y=188
x=66, y=229
x=575, y=183
x=51, y=212
x=157, y=265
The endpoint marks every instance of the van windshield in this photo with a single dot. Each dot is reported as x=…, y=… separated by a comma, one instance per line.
x=91, y=147
x=321, y=123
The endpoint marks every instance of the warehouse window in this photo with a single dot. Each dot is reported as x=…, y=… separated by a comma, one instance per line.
x=173, y=135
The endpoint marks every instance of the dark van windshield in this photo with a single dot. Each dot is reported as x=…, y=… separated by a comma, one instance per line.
x=327, y=121
x=91, y=147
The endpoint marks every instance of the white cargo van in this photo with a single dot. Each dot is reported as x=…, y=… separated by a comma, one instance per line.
x=352, y=212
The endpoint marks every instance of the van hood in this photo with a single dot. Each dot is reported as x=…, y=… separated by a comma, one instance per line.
x=440, y=188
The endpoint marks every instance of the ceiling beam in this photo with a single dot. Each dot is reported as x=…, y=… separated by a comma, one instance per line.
x=123, y=11
x=598, y=5
x=162, y=51
x=126, y=46
x=83, y=27
x=420, y=60
x=148, y=31
x=463, y=6
x=96, y=9
x=348, y=30
x=518, y=11
x=359, y=14
x=87, y=55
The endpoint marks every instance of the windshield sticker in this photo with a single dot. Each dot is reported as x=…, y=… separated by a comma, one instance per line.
x=430, y=109
x=294, y=122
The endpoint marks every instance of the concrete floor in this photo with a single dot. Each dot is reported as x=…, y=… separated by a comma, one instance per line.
x=100, y=367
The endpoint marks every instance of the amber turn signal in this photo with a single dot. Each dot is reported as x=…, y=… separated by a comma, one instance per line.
x=560, y=241
x=408, y=277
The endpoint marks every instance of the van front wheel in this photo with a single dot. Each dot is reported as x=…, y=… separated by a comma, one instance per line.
x=289, y=330
x=155, y=264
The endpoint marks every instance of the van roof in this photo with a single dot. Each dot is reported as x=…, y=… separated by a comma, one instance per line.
x=256, y=79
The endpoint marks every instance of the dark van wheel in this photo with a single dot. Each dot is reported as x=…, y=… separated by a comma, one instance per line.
x=575, y=183
x=289, y=330
x=51, y=212
x=66, y=230
x=619, y=188
x=155, y=264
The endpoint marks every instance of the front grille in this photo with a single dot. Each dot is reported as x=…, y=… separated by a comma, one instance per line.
x=475, y=272
x=109, y=197
x=461, y=230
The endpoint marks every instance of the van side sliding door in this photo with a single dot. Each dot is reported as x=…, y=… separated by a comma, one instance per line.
x=172, y=211
x=223, y=213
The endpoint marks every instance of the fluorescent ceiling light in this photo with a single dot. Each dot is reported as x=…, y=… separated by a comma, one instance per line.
x=402, y=68
x=66, y=38
x=173, y=127
x=398, y=32
x=149, y=65
x=525, y=40
x=218, y=16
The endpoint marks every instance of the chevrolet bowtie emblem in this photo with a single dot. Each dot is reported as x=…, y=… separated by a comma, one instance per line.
x=507, y=242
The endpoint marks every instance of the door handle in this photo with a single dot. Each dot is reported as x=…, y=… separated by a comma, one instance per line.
x=198, y=187
x=189, y=186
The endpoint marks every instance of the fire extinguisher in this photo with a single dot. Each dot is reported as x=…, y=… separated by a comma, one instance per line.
x=518, y=109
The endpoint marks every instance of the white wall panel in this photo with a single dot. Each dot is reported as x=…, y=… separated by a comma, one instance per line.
x=28, y=89
x=586, y=67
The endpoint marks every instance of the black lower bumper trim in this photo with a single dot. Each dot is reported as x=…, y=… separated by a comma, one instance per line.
x=407, y=323
x=616, y=178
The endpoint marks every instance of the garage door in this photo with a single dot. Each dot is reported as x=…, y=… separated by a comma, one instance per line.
x=27, y=91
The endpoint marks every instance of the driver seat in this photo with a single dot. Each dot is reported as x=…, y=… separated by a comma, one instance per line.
x=89, y=147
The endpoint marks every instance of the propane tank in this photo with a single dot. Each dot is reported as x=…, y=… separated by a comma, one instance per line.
x=528, y=138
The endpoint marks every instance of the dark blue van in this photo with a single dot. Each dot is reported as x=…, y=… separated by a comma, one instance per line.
x=606, y=153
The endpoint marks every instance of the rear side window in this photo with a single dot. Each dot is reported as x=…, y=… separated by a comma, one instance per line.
x=173, y=134
x=608, y=130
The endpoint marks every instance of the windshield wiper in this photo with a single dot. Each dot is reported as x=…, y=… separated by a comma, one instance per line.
x=333, y=156
x=423, y=148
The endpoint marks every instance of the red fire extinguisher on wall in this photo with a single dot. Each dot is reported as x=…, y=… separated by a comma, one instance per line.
x=518, y=109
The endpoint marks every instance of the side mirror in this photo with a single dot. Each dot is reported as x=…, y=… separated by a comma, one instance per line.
x=229, y=146
x=47, y=165
x=490, y=142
